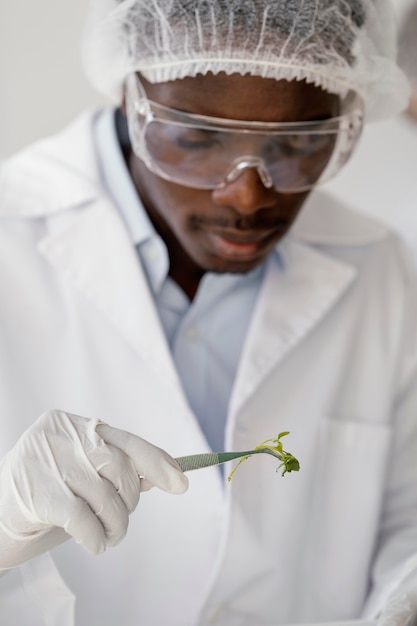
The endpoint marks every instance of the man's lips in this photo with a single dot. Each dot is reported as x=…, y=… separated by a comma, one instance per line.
x=239, y=237
x=238, y=244
x=248, y=236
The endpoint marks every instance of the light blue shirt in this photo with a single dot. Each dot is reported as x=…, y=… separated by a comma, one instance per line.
x=205, y=336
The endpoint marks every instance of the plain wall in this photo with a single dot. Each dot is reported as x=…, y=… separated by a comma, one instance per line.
x=42, y=85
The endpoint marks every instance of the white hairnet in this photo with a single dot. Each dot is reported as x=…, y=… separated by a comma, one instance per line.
x=338, y=45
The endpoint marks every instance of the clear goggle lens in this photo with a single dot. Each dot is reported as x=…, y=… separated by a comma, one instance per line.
x=207, y=153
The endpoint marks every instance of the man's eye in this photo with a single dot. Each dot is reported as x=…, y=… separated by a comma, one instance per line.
x=301, y=144
x=197, y=140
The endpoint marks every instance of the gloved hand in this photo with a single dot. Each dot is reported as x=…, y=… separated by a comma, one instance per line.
x=396, y=612
x=400, y=609
x=72, y=476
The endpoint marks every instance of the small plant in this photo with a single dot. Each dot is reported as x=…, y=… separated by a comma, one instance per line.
x=288, y=462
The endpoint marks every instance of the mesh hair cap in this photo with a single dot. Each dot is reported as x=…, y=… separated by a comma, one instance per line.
x=339, y=45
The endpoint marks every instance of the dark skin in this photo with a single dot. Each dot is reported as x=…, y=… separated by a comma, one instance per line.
x=233, y=228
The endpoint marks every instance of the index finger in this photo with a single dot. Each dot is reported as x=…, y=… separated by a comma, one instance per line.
x=154, y=465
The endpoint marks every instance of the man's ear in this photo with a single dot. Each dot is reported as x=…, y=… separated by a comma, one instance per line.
x=412, y=106
x=122, y=129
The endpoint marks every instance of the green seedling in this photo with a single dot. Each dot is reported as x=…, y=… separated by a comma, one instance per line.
x=288, y=462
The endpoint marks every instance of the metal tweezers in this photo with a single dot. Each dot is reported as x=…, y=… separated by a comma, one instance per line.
x=197, y=461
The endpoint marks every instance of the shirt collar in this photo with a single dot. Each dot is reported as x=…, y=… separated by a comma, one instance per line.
x=118, y=183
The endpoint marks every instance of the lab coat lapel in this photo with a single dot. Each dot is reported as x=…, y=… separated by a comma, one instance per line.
x=87, y=242
x=292, y=301
x=90, y=247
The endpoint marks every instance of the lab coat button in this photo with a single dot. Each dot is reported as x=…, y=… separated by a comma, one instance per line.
x=191, y=332
x=152, y=253
x=216, y=614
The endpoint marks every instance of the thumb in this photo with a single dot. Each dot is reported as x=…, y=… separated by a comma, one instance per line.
x=155, y=466
x=396, y=612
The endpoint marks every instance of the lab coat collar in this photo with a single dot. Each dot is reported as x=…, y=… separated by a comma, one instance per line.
x=86, y=240
x=293, y=301
x=91, y=248
x=326, y=220
x=290, y=304
x=52, y=175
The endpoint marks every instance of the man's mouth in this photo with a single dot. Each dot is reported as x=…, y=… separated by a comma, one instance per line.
x=241, y=244
x=243, y=235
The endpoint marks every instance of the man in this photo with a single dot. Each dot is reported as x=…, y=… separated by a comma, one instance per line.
x=168, y=279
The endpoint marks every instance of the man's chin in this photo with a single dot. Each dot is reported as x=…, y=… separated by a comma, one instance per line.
x=222, y=266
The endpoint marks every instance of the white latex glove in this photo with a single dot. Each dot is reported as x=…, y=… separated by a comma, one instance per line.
x=396, y=612
x=400, y=609
x=72, y=476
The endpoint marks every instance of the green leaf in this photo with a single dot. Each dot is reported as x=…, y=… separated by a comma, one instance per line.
x=288, y=462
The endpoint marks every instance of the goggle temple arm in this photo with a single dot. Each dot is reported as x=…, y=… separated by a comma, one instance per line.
x=137, y=94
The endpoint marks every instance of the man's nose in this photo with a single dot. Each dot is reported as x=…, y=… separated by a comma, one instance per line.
x=246, y=193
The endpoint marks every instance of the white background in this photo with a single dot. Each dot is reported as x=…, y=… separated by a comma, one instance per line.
x=42, y=85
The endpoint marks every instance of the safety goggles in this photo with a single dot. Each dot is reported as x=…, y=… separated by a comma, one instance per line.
x=208, y=152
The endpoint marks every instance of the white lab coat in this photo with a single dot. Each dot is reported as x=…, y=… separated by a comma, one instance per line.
x=330, y=356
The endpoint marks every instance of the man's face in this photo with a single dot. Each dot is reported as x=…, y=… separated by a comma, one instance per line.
x=234, y=227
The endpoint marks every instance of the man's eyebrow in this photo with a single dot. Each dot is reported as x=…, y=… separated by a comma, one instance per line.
x=320, y=117
x=323, y=117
